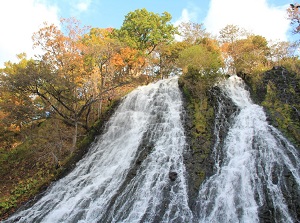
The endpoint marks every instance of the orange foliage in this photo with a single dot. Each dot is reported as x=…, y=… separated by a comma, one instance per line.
x=14, y=128
x=128, y=57
x=63, y=52
x=225, y=47
x=211, y=44
x=117, y=60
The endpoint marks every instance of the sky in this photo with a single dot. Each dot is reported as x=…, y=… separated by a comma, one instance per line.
x=19, y=19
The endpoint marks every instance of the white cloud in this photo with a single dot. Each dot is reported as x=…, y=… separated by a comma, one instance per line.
x=186, y=16
x=80, y=6
x=255, y=16
x=18, y=21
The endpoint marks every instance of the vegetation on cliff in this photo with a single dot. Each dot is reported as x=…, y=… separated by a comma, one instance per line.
x=51, y=107
x=278, y=91
x=199, y=124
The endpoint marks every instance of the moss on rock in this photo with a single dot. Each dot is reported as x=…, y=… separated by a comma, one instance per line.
x=278, y=91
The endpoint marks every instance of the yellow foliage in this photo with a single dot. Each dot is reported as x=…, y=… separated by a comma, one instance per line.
x=14, y=128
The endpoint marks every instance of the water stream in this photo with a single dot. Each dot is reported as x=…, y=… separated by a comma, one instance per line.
x=259, y=168
x=95, y=191
x=135, y=171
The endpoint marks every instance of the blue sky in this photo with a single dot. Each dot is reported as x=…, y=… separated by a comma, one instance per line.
x=100, y=13
x=20, y=18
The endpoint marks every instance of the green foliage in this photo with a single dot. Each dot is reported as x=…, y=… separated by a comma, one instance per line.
x=199, y=59
x=23, y=190
x=168, y=57
x=25, y=187
x=28, y=166
x=292, y=64
x=145, y=30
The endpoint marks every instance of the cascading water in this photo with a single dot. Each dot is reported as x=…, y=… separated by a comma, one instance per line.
x=135, y=172
x=100, y=189
x=260, y=170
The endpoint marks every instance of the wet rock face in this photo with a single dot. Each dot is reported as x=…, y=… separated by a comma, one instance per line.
x=198, y=158
x=284, y=82
x=286, y=95
x=201, y=167
x=278, y=91
x=225, y=110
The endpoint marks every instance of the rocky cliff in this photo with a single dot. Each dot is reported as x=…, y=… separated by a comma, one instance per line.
x=278, y=91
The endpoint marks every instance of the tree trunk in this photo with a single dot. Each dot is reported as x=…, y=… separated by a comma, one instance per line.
x=74, y=137
x=100, y=107
x=87, y=117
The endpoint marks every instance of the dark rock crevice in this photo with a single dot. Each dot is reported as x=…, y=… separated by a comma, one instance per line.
x=201, y=154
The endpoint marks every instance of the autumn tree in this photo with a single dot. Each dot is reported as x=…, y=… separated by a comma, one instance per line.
x=167, y=58
x=101, y=48
x=294, y=16
x=20, y=106
x=64, y=84
x=228, y=36
x=60, y=79
x=192, y=32
x=280, y=51
x=17, y=108
x=231, y=33
x=128, y=62
x=250, y=54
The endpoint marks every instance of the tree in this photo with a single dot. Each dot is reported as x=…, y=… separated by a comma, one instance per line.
x=192, y=32
x=144, y=31
x=228, y=36
x=279, y=51
x=101, y=49
x=201, y=60
x=294, y=16
x=17, y=109
x=167, y=57
x=21, y=107
x=61, y=79
x=128, y=62
x=250, y=54
x=231, y=33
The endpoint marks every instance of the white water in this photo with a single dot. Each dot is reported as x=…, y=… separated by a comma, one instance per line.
x=254, y=152
x=252, y=172
x=86, y=194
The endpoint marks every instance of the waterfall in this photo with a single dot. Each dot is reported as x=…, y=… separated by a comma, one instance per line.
x=117, y=181
x=134, y=171
x=260, y=169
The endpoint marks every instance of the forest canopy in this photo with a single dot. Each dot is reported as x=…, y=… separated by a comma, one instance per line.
x=79, y=68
